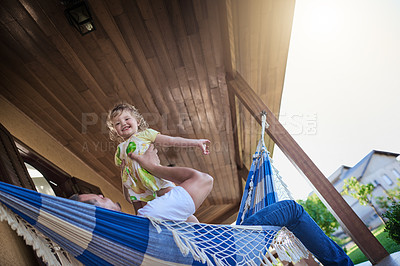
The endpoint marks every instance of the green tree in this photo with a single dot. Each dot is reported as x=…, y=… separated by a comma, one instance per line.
x=393, y=224
x=317, y=210
x=361, y=192
x=392, y=196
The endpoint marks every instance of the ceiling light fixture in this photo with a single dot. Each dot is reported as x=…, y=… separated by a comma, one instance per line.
x=79, y=16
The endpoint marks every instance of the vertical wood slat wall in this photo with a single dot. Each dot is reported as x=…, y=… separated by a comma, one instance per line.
x=262, y=30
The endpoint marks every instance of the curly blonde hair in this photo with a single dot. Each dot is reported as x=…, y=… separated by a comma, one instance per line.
x=116, y=111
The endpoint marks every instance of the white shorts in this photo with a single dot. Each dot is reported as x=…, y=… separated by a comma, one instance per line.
x=176, y=205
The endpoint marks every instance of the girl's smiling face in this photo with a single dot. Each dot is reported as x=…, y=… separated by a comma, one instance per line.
x=125, y=124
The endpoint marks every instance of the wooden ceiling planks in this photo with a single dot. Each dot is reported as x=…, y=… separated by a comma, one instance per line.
x=167, y=57
x=165, y=62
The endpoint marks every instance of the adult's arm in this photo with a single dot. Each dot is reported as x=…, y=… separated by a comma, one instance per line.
x=196, y=183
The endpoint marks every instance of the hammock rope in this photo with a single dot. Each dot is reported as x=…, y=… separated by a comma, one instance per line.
x=264, y=185
x=196, y=239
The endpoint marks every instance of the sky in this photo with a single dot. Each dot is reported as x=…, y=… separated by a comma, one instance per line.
x=341, y=95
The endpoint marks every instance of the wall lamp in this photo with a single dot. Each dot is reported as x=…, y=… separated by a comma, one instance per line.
x=79, y=16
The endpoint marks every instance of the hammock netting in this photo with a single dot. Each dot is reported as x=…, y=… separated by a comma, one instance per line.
x=61, y=230
x=263, y=187
x=66, y=232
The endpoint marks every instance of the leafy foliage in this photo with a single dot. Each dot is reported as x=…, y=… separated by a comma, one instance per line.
x=361, y=192
x=317, y=210
x=393, y=224
x=393, y=196
x=358, y=191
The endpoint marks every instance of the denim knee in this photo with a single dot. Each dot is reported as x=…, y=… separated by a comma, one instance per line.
x=282, y=213
x=292, y=208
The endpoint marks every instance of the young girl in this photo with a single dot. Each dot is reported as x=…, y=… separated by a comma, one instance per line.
x=127, y=125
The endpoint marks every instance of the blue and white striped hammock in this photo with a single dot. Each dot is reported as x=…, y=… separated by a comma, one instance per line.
x=64, y=232
x=264, y=185
x=97, y=236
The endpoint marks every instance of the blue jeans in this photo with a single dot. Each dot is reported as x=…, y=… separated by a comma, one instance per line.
x=290, y=214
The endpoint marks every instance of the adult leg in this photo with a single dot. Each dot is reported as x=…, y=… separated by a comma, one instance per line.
x=293, y=216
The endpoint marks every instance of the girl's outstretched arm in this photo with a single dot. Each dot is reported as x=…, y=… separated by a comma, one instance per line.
x=168, y=141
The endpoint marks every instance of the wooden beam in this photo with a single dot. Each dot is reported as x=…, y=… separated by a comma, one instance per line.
x=242, y=170
x=225, y=8
x=368, y=244
x=235, y=129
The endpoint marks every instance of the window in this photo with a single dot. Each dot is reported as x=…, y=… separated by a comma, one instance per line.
x=40, y=182
x=48, y=178
x=396, y=173
x=375, y=183
x=387, y=180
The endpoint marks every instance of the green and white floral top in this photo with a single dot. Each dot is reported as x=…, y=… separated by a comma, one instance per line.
x=141, y=185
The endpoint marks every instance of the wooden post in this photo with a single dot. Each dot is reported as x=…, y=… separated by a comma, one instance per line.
x=368, y=244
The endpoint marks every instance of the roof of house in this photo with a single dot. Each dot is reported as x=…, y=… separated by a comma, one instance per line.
x=360, y=168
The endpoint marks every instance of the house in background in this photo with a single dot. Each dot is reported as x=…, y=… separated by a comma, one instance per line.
x=382, y=169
